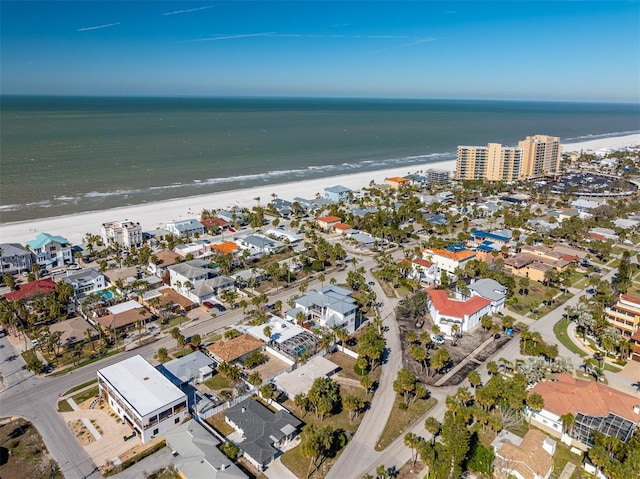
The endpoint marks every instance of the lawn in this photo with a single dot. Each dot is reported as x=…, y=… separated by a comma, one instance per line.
x=64, y=406
x=537, y=293
x=560, y=330
x=86, y=395
x=80, y=386
x=219, y=424
x=400, y=420
x=218, y=382
x=294, y=460
x=174, y=322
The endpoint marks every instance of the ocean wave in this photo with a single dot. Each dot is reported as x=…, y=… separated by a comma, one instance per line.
x=580, y=139
x=12, y=207
x=312, y=171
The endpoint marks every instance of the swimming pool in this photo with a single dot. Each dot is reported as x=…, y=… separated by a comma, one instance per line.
x=107, y=295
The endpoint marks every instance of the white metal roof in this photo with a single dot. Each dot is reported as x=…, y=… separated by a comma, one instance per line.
x=142, y=385
x=122, y=307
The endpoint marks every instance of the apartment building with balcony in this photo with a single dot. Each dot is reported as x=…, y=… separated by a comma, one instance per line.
x=540, y=156
x=534, y=157
x=125, y=233
x=624, y=315
x=142, y=397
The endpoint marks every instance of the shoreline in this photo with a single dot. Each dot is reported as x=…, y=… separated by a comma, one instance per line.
x=156, y=214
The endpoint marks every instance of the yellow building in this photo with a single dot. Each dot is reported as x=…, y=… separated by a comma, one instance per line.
x=540, y=156
x=534, y=156
x=624, y=315
x=493, y=162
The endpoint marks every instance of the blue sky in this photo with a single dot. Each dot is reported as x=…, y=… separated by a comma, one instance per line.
x=560, y=51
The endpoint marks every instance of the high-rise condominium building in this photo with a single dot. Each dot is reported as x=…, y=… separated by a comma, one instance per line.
x=534, y=157
x=493, y=162
x=541, y=156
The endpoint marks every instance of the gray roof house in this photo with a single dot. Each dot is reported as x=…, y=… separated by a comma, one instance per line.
x=337, y=193
x=196, y=455
x=264, y=432
x=328, y=307
x=185, y=227
x=490, y=289
x=197, y=281
x=14, y=258
x=192, y=368
x=85, y=282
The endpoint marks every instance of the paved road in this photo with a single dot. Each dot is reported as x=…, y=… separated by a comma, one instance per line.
x=360, y=451
x=35, y=398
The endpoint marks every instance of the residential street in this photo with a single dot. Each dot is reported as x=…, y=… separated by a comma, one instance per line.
x=35, y=398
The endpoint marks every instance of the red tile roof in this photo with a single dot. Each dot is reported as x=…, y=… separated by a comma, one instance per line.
x=452, y=307
x=342, y=226
x=211, y=222
x=328, y=219
x=422, y=262
x=31, y=290
x=568, y=395
x=630, y=299
x=458, y=256
x=396, y=179
x=226, y=247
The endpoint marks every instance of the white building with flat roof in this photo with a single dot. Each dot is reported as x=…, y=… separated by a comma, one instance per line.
x=125, y=233
x=142, y=397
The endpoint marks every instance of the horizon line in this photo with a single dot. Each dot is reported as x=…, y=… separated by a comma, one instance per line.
x=308, y=97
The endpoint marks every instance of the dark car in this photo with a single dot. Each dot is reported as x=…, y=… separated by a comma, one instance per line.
x=219, y=307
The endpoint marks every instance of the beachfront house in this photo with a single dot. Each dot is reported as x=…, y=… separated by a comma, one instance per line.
x=440, y=177
x=396, y=182
x=190, y=227
x=235, y=217
x=50, y=250
x=124, y=233
x=14, y=258
x=337, y=194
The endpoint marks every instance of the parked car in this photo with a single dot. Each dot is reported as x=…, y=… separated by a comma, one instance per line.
x=436, y=338
x=207, y=304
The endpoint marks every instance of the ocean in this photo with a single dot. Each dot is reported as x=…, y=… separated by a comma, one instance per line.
x=62, y=155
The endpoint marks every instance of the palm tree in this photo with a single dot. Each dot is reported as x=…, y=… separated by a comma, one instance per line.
x=342, y=335
x=432, y=425
x=535, y=403
x=411, y=440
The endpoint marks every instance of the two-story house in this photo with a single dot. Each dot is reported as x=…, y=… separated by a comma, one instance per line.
x=51, y=250
x=190, y=227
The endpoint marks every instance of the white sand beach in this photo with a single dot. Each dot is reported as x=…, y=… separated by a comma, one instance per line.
x=157, y=214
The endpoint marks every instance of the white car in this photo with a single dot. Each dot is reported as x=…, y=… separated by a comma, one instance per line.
x=436, y=338
x=74, y=266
